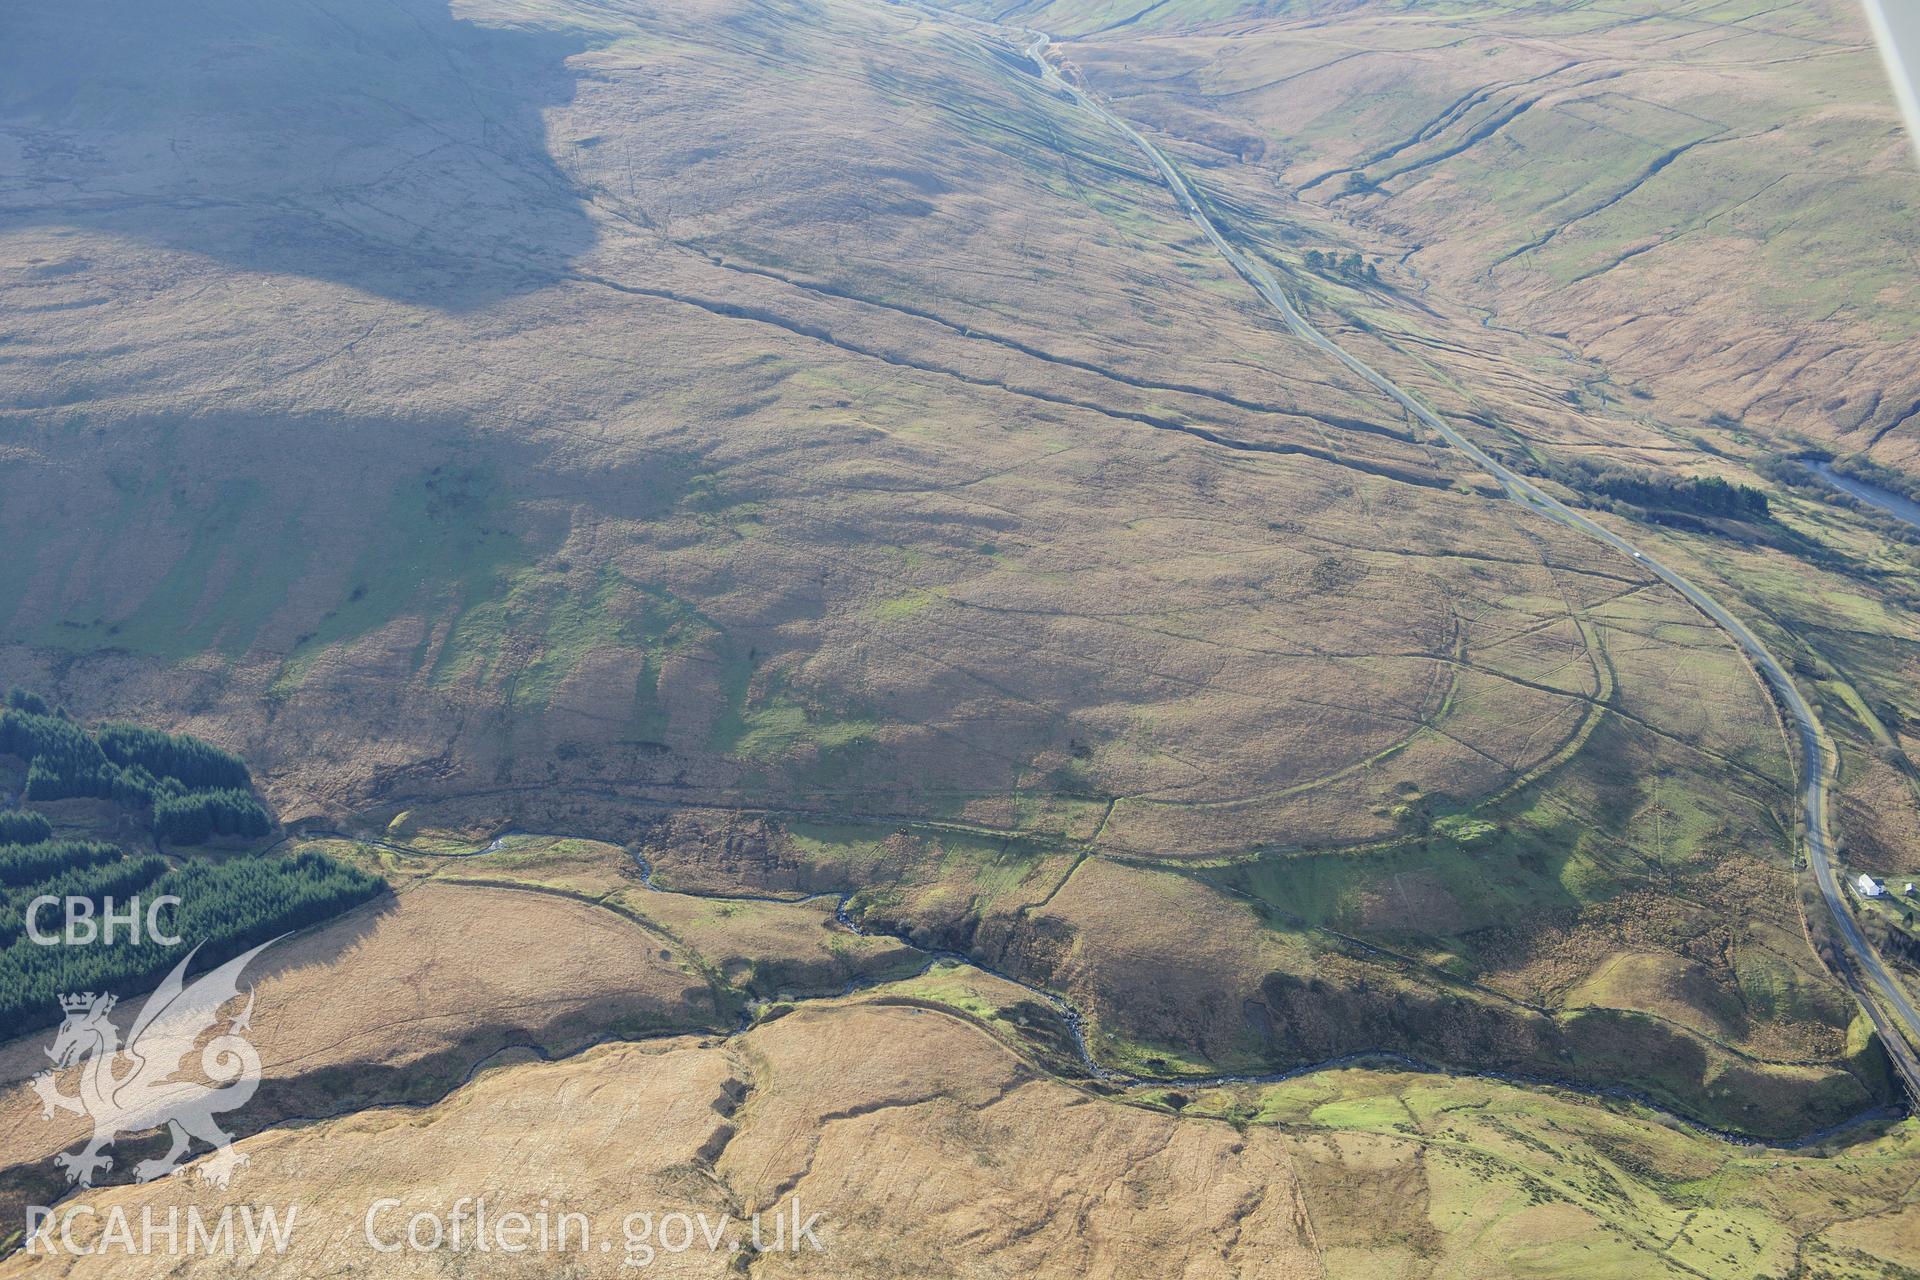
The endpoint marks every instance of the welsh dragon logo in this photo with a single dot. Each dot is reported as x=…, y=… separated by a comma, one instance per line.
x=136, y=1088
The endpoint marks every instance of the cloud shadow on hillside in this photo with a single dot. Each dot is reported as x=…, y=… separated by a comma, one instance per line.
x=386, y=145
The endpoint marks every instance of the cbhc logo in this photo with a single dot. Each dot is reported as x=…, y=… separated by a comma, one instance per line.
x=87, y=923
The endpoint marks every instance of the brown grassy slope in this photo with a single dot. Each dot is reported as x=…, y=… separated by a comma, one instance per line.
x=1566, y=935
x=1827, y=588
x=1716, y=200
x=831, y=473
x=928, y=1150
x=921, y=1118
x=924, y=1146
x=397, y=1002
x=724, y=407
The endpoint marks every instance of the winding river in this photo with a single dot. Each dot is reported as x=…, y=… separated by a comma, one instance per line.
x=1075, y=1021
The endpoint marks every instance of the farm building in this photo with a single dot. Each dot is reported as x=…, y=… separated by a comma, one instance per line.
x=1869, y=887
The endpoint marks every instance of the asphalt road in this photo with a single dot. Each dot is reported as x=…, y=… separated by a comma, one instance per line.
x=1898, y=1029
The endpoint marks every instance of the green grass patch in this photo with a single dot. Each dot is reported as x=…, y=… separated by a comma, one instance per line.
x=442, y=544
x=764, y=720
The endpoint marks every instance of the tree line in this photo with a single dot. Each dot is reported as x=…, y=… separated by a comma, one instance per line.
x=1698, y=495
x=190, y=790
x=196, y=817
x=1352, y=266
x=29, y=864
x=225, y=907
x=97, y=879
x=17, y=826
x=194, y=764
x=1653, y=492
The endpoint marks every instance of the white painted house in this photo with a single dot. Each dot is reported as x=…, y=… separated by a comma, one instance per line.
x=1869, y=887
